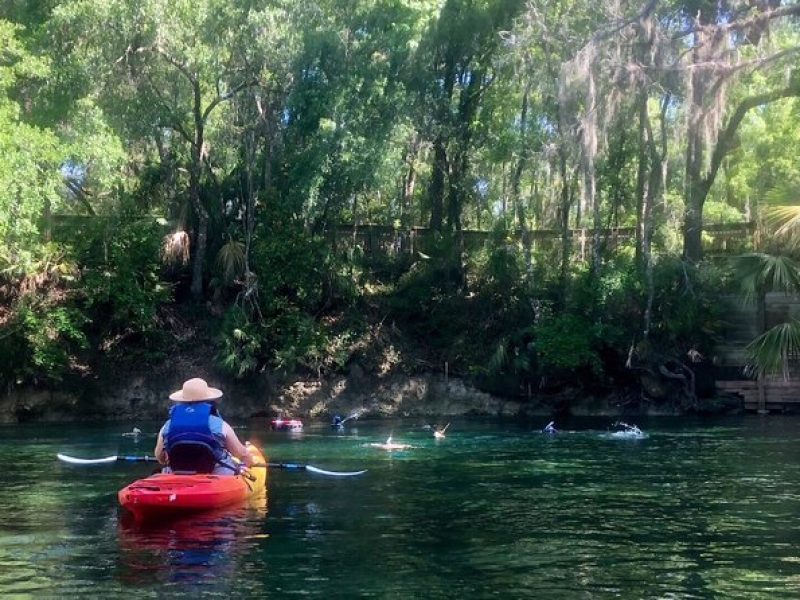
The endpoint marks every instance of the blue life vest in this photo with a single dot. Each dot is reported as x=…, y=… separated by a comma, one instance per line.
x=194, y=438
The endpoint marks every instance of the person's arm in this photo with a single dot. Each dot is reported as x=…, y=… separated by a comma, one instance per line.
x=233, y=445
x=160, y=451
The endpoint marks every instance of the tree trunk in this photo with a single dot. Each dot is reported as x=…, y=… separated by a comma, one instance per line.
x=693, y=226
x=516, y=180
x=656, y=183
x=201, y=236
x=641, y=173
x=699, y=182
x=456, y=192
x=199, y=257
x=436, y=190
x=409, y=181
x=566, y=200
x=468, y=107
x=694, y=196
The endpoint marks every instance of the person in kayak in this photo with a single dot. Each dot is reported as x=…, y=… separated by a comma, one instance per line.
x=195, y=438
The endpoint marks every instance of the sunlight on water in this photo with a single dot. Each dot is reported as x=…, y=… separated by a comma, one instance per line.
x=697, y=509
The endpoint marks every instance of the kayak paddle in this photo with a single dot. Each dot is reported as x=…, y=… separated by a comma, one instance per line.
x=108, y=459
x=288, y=466
x=311, y=469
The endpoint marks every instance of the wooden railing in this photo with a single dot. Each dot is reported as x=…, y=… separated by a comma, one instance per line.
x=383, y=239
x=386, y=240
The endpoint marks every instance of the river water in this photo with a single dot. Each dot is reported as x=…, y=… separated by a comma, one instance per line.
x=698, y=509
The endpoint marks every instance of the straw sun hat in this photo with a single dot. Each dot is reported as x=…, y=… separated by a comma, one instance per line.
x=195, y=390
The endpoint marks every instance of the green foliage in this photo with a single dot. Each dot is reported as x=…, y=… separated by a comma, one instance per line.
x=686, y=307
x=296, y=276
x=721, y=212
x=121, y=274
x=287, y=340
x=498, y=266
x=426, y=297
x=50, y=333
x=758, y=272
x=241, y=344
x=294, y=268
x=771, y=351
x=40, y=327
x=299, y=341
x=566, y=344
x=29, y=172
x=611, y=308
x=515, y=353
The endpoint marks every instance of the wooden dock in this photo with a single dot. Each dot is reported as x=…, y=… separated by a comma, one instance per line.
x=771, y=394
x=765, y=396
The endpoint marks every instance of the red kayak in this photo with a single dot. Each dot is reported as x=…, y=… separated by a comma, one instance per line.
x=286, y=424
x=166, y=495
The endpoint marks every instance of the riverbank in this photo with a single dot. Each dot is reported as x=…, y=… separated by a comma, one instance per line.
x=384, y=374
x=133, y=393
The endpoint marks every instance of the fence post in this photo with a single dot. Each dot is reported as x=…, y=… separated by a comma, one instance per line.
x=762, y=397
x=583, y=245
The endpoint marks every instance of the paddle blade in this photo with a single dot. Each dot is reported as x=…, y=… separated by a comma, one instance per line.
x=105, y=460
x=86, y=461
x=312, y=469
x=334, y=473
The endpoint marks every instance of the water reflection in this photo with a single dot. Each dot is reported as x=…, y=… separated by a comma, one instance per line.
x=203, y=549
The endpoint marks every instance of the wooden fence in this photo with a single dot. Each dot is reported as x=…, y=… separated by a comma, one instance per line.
x=386, y=240
x=372, y=240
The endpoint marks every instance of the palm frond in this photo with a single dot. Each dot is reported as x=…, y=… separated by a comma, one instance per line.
x=783, y=211
x=175, y=248
x=788, y=193
x=771, y=351
x=230, y=259
x=784, y=219
x=782, y=274
x=748, y=269
x=758, y=272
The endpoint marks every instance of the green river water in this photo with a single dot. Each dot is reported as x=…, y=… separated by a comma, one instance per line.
x=698, y=509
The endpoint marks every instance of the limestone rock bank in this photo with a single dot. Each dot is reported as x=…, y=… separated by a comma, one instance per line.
x=144, y=396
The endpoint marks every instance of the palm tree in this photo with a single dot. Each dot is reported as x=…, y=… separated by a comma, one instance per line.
x=759, y=273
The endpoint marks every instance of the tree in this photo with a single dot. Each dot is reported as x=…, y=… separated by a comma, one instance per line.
x=30, y=180
x=460, y=49
x=716, y=53
x=167, y=57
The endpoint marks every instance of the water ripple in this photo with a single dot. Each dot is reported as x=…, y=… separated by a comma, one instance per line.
x=493, y=511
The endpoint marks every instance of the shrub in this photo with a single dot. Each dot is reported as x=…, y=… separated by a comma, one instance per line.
x=121, y=281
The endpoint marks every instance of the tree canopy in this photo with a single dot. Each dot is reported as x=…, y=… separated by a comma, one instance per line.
x=302, y=171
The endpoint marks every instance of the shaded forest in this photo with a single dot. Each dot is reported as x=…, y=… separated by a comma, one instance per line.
x=179, y=174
